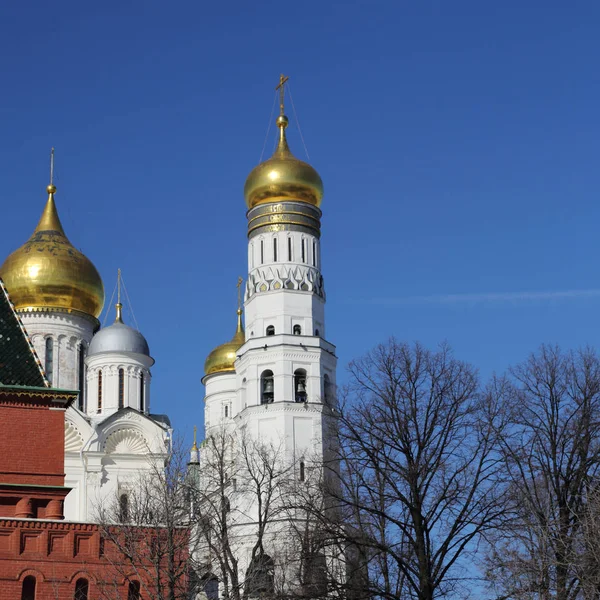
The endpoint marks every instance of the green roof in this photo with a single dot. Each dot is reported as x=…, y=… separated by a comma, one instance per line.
x=19, y=364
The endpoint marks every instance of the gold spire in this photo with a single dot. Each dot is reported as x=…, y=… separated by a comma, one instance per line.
x=47, y=272
x=283, y=177
x=118, y=305
x=195, y=445
x=223, y=357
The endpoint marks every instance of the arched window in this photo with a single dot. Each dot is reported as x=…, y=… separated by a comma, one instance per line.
x=262, y=252
x=300, y=385
x=314, y=573
x=121, y=388
x=267, y=389
x=133, y=593
x=271, y=330
x=28, y=589
x=49, y=365
x=274, y=249
x=100, y=391
x=123, y=508
x=210, y=585
x=297, y=330
x=327, y=389
x=302, y=474
x=81, y=589
x=81, y=374
x=142, y=391
x=303, y=250
x=260, y=577
x=289, y=249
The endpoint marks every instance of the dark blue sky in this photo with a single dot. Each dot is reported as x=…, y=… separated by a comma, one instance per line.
x=458, y=144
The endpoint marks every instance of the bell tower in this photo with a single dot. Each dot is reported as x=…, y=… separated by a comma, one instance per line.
x=286, y=368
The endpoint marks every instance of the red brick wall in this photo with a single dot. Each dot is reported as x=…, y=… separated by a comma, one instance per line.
x=32, y=442
x=57, y=554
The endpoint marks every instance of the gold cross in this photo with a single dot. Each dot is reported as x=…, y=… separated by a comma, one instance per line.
x=52, y=166
x=282, y=81
x=239, y=285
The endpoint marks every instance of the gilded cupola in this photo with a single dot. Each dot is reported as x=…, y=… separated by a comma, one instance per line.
x=49, y=273
x=223, y=357
x=283, y=177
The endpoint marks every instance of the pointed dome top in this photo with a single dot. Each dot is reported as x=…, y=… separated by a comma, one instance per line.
x=223, y=357
x=283, y=177
x=48, y=272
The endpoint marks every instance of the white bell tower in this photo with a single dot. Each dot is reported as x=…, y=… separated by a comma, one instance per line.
x=273, y=384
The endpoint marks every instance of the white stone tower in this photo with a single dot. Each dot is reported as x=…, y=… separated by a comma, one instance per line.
x=275, y=382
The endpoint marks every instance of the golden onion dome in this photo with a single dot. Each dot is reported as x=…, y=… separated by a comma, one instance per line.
x=283, y=177
x=223, y=357
x=48, y=272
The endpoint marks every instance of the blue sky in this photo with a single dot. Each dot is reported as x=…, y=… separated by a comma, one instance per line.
x=458, y=144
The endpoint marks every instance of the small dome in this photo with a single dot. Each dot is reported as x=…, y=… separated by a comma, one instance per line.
x=223, y=357
x=48, y=272
x=283, y=177
x=119, y=337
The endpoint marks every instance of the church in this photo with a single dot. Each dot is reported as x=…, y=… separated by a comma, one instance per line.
x=274, y=380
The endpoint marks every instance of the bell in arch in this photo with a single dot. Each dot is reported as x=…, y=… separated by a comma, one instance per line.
x=268, y=387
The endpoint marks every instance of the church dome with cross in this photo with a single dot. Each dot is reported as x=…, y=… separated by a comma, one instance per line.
x=283, y=176
x=48, y=272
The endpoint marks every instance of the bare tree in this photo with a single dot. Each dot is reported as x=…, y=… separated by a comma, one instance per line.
x=146, y=533
x=589, y=563
x=551, y=452
x=420, y=471
x=237, y=507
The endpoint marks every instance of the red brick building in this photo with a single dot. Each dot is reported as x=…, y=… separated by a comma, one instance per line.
x=43, y=557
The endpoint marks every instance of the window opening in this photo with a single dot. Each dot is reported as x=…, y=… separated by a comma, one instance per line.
x=297, y=330
x=226, y=411
x=314, y=254
x=317, y=332
x=327, y=389
x=81, y=589
x=300, y=385
x=121, y=388
x=271, y=330
x=289, y=249
x=81, y=373
x=28, y=589
x=302, y=474
x=260, y=577
x=49, y=367
x=303, y=250
x=262, y=252
x=210, y=585
x=99, y=391
x=267, y=388
x=274, y=249
x=123, y=508
x=134, y=590
x=142, y=407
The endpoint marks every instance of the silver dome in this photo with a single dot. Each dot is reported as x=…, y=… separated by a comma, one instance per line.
x=119, y=337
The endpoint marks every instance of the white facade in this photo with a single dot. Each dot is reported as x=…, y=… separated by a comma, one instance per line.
x=61, y=340
x=107, y=444
x=281, y=391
